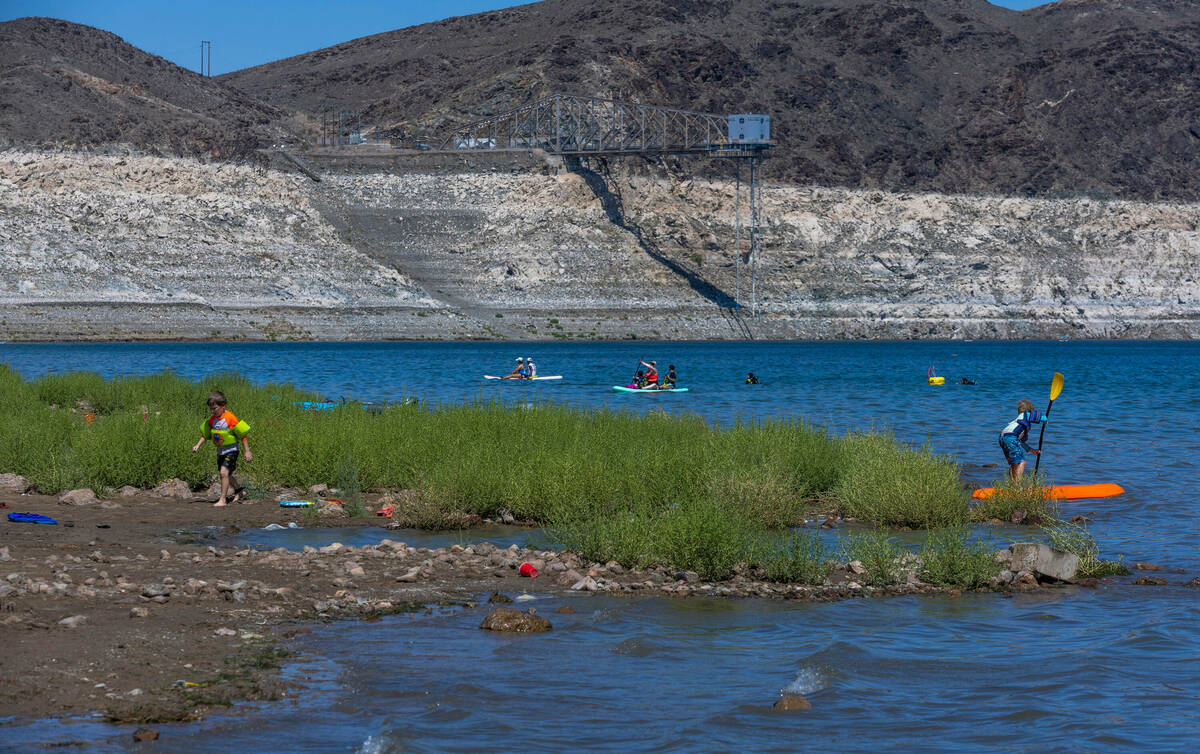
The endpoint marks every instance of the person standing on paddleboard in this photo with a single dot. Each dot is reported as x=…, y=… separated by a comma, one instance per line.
x=1014, y=435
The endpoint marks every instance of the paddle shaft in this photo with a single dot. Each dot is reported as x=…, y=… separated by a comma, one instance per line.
x=1042, y=437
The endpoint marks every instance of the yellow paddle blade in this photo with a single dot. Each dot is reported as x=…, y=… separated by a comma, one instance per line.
x=1056, y=385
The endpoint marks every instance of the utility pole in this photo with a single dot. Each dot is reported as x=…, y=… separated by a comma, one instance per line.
x=205, y=57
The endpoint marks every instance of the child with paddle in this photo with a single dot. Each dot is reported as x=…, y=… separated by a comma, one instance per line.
x=225, y=430
x=1014, y=435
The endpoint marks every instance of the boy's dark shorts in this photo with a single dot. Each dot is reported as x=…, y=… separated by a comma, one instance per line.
x=1014, y=453
x=227, y=461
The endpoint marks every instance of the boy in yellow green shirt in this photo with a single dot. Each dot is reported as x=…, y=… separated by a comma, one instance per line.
x=225, y=430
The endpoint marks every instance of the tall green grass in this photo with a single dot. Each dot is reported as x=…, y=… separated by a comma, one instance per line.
x=802, y=558
x=895, y=485
x=879, y=554
x=1074, y=538
x=1029, y=493
x=949, y=557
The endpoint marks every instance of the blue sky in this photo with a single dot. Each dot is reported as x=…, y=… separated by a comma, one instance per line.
x=251, y=32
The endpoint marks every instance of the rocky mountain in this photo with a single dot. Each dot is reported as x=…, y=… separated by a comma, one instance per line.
x=67, y=85
x=1093, y=97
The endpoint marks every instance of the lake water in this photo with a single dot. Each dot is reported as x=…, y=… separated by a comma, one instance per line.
x=1072, y=669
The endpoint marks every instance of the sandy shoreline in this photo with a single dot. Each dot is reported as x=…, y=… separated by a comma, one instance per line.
x=117, y=610
x=170, y=630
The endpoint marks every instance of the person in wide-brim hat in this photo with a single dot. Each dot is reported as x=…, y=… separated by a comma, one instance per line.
x=518, y=371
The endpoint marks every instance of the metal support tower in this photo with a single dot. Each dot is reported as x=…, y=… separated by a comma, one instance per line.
x=338, y=125
x=754, y=155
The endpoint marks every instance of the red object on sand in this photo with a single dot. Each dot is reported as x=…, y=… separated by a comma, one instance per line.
x=386, y=510
x=527, y=569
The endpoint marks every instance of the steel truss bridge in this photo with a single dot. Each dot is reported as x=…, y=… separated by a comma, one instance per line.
x=573, y=126
x=568, y=125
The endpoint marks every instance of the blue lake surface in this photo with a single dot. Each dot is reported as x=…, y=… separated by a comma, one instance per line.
x=1115, y=669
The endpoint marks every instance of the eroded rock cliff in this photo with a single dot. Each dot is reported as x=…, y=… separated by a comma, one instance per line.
x=98, y=247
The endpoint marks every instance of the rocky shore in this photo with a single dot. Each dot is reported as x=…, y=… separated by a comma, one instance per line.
x=523, y=246
x=118, y=608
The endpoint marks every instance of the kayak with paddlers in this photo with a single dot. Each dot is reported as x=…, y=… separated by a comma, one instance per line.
x=524, y=370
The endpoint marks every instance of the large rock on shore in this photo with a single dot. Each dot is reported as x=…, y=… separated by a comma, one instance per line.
x=176, y=488
x=13, y=483
x=1044, y=560
x=507, y=620
x=83, y=496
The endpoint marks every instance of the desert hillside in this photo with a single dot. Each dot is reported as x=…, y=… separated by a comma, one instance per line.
x=1094, y=97
x=66, y=85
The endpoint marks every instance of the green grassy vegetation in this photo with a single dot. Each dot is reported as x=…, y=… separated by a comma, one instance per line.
x=349, y=489
x=801, y=558
x=638, y=489
x=879, y=554
x=950, y=558
x=1069, y=537
x=1029, y=493
x=895, y=485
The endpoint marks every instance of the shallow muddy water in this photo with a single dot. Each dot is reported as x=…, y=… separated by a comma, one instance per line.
x=1071, y=669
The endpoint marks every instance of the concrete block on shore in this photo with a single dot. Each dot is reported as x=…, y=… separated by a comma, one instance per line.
x=1044, y=560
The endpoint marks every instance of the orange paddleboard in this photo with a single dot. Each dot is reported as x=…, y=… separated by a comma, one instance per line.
x=1064, y=492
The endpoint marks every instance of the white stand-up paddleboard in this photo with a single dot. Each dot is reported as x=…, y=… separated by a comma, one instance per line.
x=522, y=379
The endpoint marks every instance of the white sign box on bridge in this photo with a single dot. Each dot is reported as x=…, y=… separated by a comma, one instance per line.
x=749, y=128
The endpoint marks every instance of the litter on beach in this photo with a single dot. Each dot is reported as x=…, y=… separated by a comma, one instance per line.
x=296, y=503
x=30, y=518
x=277, y=527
